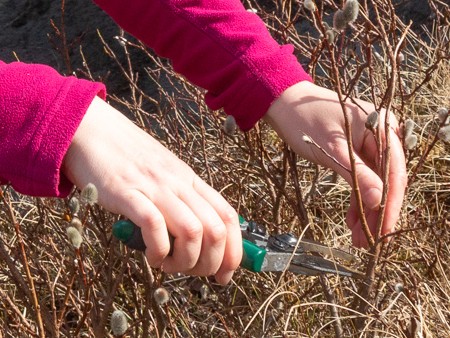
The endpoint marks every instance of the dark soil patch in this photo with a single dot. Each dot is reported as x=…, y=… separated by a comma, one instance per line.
x=28, y=34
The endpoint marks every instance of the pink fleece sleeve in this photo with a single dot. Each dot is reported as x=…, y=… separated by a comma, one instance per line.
x=40, y=111
x=217, y=45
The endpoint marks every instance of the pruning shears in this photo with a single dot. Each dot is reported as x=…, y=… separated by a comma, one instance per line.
x=264, y=252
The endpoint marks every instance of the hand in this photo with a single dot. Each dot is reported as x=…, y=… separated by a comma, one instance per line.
x=315, y=111
x=139, y=178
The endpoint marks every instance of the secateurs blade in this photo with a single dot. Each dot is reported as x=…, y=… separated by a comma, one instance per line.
x=263, y=252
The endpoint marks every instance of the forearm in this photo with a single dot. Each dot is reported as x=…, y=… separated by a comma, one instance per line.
x=218, y=46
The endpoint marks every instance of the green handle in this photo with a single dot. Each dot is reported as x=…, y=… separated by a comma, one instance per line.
x=253, y=256
x=130, y=234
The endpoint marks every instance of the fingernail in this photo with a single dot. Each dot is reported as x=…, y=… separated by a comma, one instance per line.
x=372, y=198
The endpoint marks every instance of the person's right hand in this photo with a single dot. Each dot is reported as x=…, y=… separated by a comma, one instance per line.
x=308, y=109
x=139, y=178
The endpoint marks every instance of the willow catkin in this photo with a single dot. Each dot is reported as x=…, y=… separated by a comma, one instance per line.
x=74, y=236
x=229, y=125
x=161, y=296
x=411, y=142
x=119, y=323
x=89, y=194
x=339, y=22
x=350, y=11
x=309, y=5
x=442, y=114
x=408, y=128
x=399, y=287
x=77, y=224
x=74, y=205
x=330, y=35
x=372, y=120
x=444, y=133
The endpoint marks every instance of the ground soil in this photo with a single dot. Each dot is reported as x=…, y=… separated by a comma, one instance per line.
x=27, y=34
x=25, y=28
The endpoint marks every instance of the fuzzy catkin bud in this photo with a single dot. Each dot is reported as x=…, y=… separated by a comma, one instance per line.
x=411, y=142
x=399, y=287
x=444, y=133
x=350, y=11
x=442, y=114
x=89, y=194
x=74, y=205
x=229, y=125
x=408, y=128
x=119, y=323
x=76, y=223
x=309, y=5
x=161, y=296
x=339, y=22
x=330, y=35
x=372, y=121
x=74, y=237
x=400, y=57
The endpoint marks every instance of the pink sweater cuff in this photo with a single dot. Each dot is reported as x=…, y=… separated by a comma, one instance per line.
x=40, y=111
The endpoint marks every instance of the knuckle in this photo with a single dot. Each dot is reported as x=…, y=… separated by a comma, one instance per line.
x=154, y=220
x=192, y=230
x=216, y=234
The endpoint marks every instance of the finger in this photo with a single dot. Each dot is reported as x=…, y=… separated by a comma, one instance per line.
x=352, y=216
x=186, y=230
x=397, y=184
x=144, y=213
x=359, y=237
x=233, y=250
x=214, y=234
x=370, y=184
x=232, y=256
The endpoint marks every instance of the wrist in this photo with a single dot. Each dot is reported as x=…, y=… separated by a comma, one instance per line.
x=85, y=136
x=292, y=107
x=297, y=96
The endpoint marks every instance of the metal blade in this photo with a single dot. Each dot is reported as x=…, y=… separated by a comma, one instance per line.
x=321, y=266
x=313, y=246
x=276, y=261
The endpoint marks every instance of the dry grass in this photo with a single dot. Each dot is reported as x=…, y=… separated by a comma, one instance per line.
x=78, y=290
